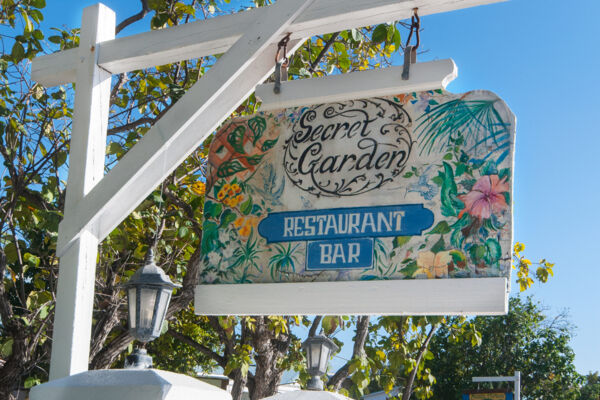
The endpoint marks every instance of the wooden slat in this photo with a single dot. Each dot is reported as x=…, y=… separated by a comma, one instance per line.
x=469, y=296
x=216, y=35
x=357, y=85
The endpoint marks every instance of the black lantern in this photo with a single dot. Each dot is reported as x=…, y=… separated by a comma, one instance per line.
x=318, y=350
x=148, y=296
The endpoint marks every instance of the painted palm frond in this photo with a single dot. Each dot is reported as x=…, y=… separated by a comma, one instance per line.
x=284, y=261
x=246, y=257
x=478, y=121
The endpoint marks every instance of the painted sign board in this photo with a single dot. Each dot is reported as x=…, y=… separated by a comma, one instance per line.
x=413, y=186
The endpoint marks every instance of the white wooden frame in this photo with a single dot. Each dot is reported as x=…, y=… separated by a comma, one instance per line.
x=468, y=296
x=96, y=204
x=357, y=85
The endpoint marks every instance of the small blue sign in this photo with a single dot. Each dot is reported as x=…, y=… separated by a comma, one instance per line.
x=339, y=254
x=353, y=222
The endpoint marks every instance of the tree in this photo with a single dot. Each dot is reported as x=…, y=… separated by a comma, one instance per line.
x=524, y=340
x=34, y=141
x=590, y=388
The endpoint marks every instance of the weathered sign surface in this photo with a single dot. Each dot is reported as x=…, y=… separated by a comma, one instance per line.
x=416, y=185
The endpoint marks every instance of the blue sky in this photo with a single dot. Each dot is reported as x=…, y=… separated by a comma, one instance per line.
x=542, y=58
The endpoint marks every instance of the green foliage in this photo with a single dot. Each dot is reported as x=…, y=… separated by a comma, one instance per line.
x=590, y=388
x=525, y=340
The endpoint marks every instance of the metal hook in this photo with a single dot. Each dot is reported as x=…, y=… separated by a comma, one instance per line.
x=410, y=52
x=281, y=67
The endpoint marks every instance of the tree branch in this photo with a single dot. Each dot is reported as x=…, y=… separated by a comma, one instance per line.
x=362, y=330
x=313, y=328
x=136, y=17
x=202, y=349
x=411, y=378
x=328, y=45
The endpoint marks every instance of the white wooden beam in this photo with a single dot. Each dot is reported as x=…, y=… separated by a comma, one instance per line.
x=357, y=85
x=216, y=35
x=468, y=296
x=77, y=268
x=181, y=131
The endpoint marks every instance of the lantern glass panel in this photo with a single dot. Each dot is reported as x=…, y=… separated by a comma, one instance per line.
x=315, y=354
x=324, y=358
x=163, y=302
x=147, y=301
x=132, y=306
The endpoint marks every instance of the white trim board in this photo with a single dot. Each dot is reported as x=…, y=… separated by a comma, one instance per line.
x=472, y=296
x=357, y=85
x=217, y=35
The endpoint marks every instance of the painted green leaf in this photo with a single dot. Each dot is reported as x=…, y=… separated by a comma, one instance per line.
x=493, y=251
x=246, y=206
x=236, y=139
x=268, y=144
x=212, y=210
x=456, y=239
x=451, y=204
x=227, y=218
x=257, y=125
x=410, y=269
x=460, y=169
x=458, y=256
x=229, y=168
x=440, y=245
x=400, y=241
x=477, y=252
x=255, y=159
x=441, y=228
x=210, y=235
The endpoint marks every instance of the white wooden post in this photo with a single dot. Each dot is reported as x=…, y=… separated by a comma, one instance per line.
x=77, y=268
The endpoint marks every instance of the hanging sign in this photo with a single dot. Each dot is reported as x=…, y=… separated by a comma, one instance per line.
x=413, y=186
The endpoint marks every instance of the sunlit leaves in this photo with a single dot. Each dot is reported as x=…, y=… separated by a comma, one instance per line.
x=543, y=271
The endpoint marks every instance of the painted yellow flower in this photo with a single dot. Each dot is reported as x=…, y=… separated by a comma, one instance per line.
x=434, y=265
x=226, y=187
x=245, y=230
x=199, y=188
x=221, y=194
x=238, y=222
x=236, y=188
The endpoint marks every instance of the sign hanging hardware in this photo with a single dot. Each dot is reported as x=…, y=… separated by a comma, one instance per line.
x=410, y=52
x=281, y=66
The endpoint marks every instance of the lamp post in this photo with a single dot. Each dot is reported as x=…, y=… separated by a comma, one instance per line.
x=148, y=296
x=318, y=350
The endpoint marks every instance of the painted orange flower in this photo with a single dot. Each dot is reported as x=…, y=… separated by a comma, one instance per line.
x=238, y=222
x=486, y=197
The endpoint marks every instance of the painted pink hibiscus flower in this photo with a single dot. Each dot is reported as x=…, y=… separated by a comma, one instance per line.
x=486, y=197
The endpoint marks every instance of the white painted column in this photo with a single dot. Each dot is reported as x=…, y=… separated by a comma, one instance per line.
x=77, y=268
